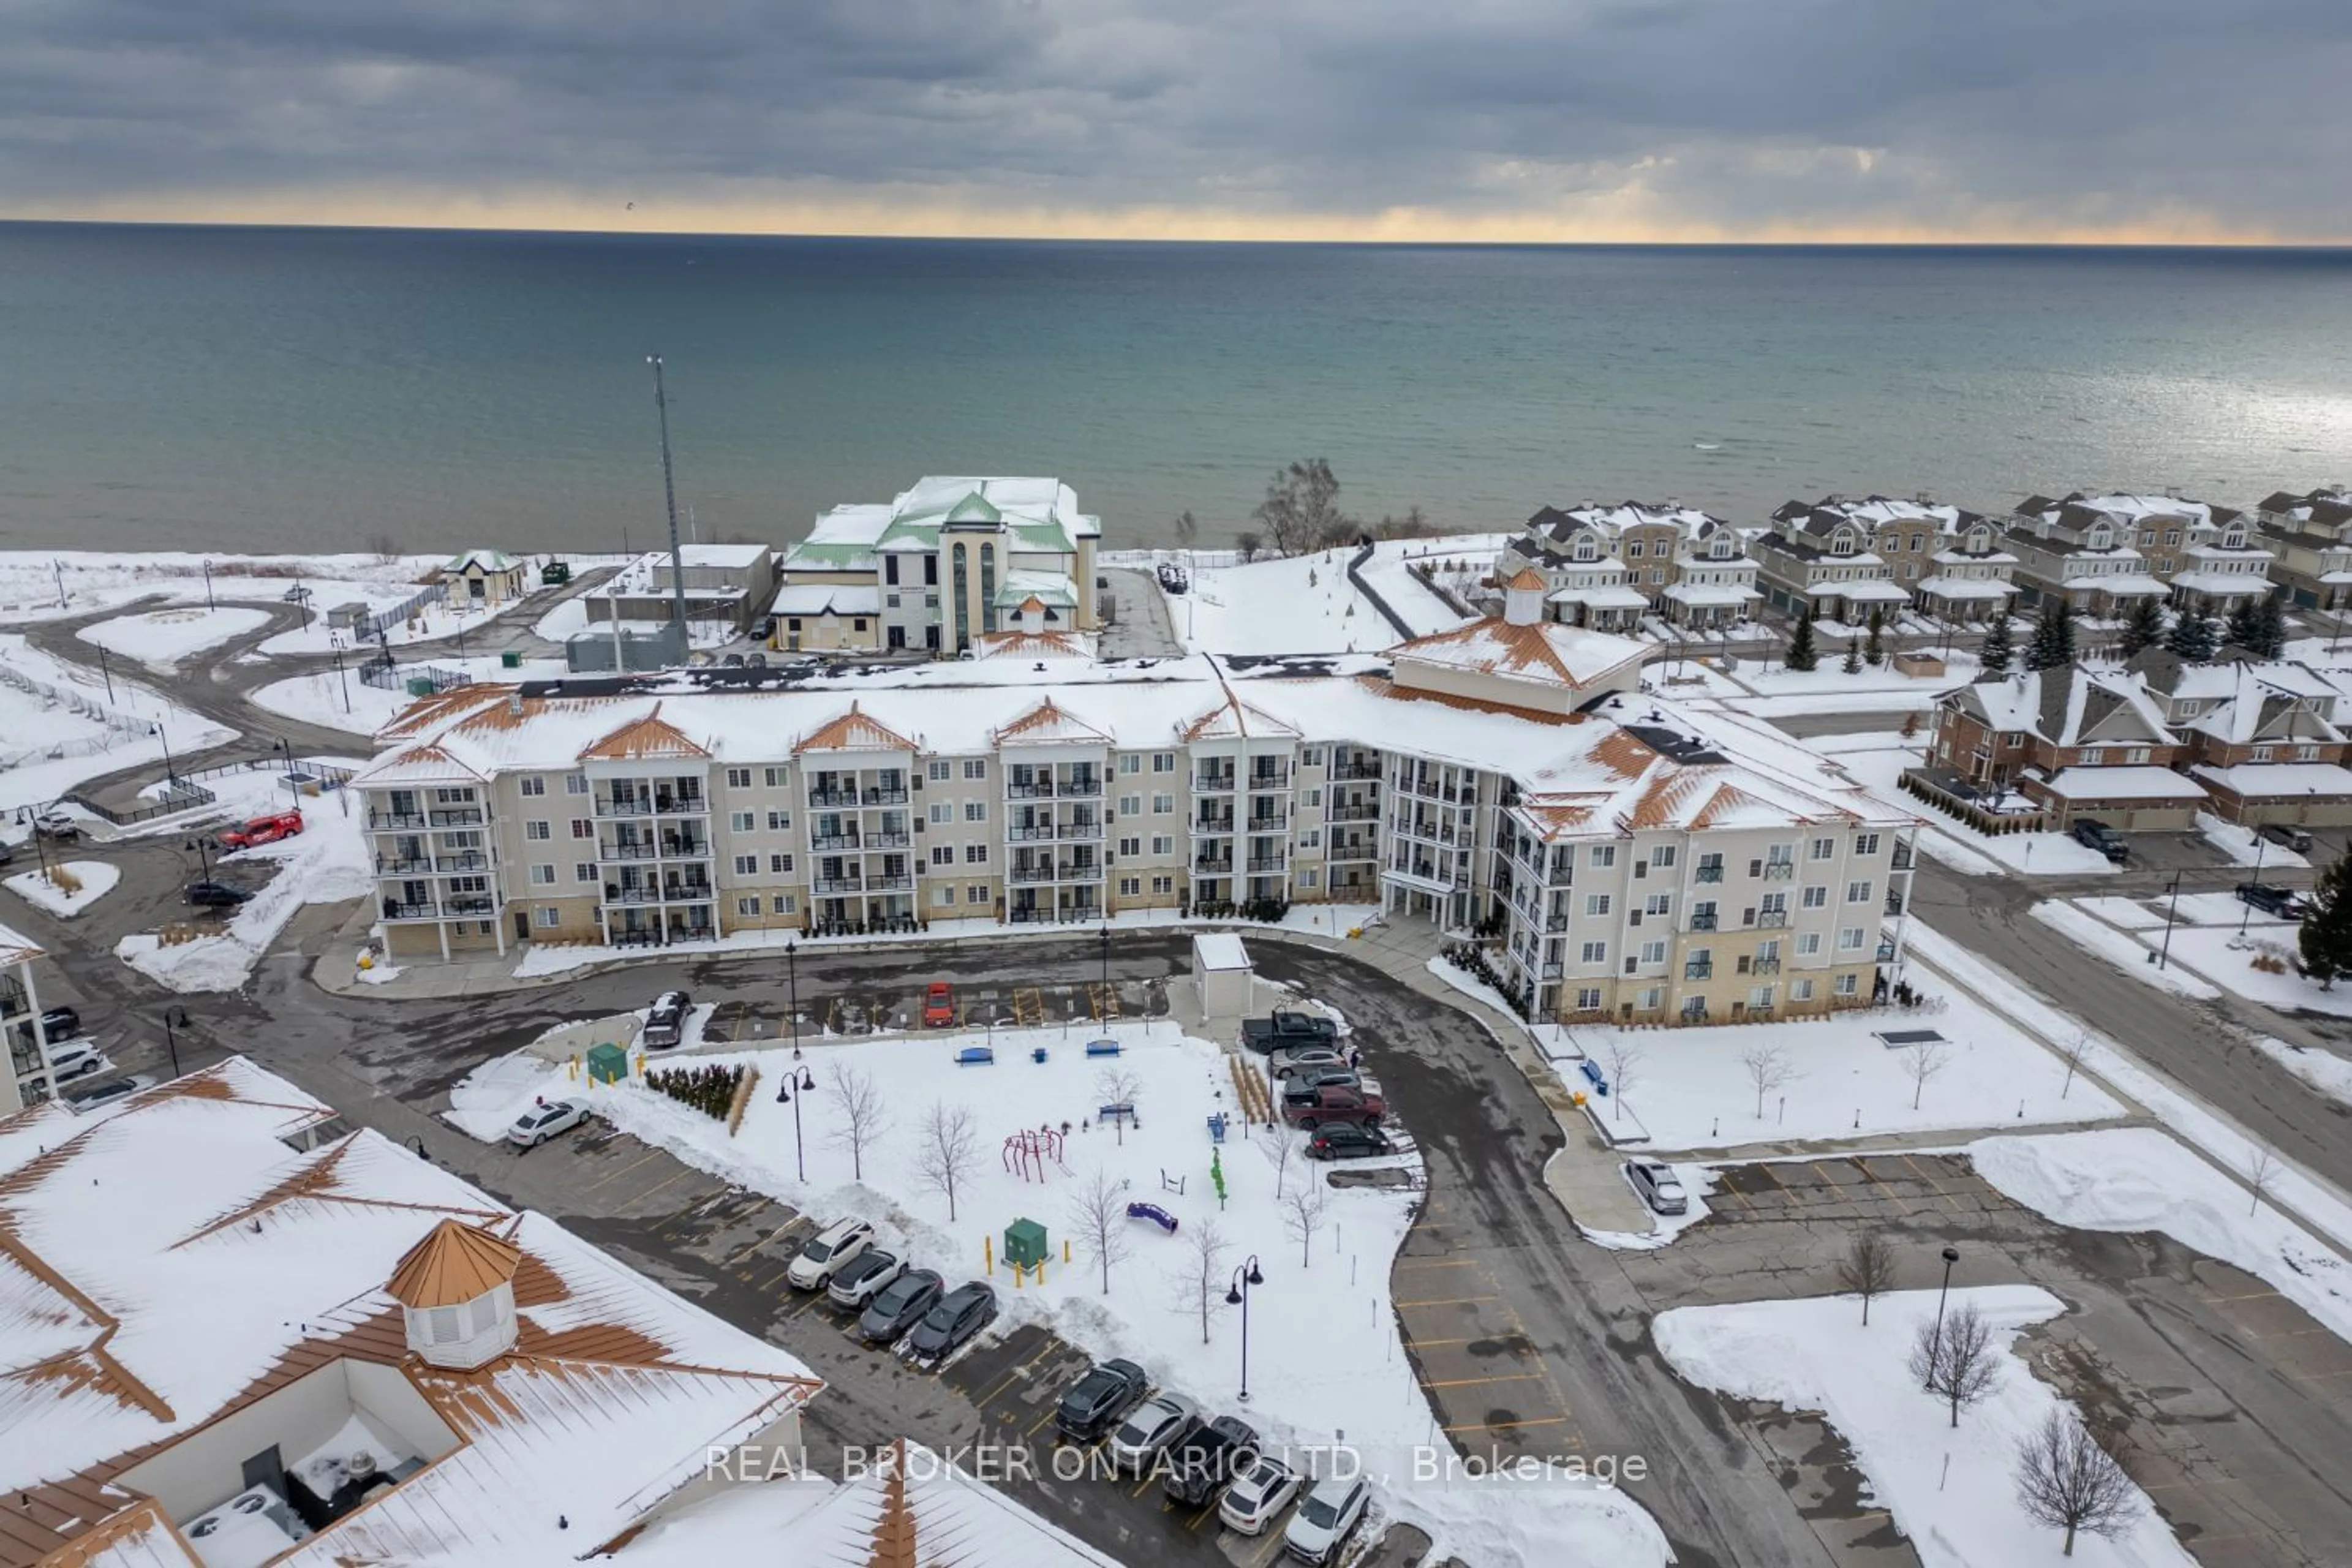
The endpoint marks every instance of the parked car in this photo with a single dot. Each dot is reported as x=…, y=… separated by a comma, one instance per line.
x=546, y=1119
x=2099, y=835
x=900, y=1306
x=555, y=574
x=2287, y=835
x=1200, y=1465
x=1288, y=1027
x=1362, y=1104
x=1307, y=1085
x=1148, y=1431
x=1331, y=1509
x=732, y=661
x=1098, y=1401
x=665, y=1021
x=823, y=1258
x=1260, y=1490
x=60, y=1023
x=939, y=1005
x=56, y=825
x=214, y=895
x=96, y=1095
x=1659, y=1186
x=863, y=1278
x=2282, y=902
x=1346, y=1141
x=263, y=830
x=71, y=1059
x=952, y=1320
x=1289, y=1060
x=765, y=629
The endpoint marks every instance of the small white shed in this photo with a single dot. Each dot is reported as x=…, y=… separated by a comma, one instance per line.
x=1221, y=967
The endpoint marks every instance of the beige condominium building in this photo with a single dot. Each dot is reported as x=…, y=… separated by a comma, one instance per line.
x=1636, y=861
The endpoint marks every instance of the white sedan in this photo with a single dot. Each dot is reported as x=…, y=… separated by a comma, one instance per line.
x=544, y=1119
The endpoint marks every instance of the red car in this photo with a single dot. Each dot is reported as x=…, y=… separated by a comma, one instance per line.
x=939, y=1005
x=263, y=830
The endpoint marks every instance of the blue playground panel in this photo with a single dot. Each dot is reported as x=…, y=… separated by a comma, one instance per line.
x=1599, y=1084
x=1217, y=1127
x=1155, y=1214
x=1121, y=1111
x=975, y=1057
x=1102, y=1047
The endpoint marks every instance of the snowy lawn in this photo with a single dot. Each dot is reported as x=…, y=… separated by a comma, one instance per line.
x=485, y=1102
x=1305, y=604
x=1693, y=1089
x=2243, y=846
x=2035, y=854
x=321, y=699
x=2330, y=1074
x=92, y=580
x=2124, y=948
x=2136, y=1178
x=1325, y=1300
x=326, y=863
x=96, y=879
x=59, y=725
x=160, y=639
x=1814, y=1355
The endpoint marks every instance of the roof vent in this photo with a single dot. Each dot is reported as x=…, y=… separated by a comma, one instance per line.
x=456, y=1290
x=514, y=703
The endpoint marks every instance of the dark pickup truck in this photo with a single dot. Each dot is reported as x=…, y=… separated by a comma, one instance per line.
x=1332, y=1102
x=1200, y=1465
x=1288, y=1028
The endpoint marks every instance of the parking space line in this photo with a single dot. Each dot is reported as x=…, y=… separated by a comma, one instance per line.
x=1475, y=1382
x=1506, y=1425
x=611, y=1176
x=1043, y=1351
x=1436, y=1262
x=664, y=1187
x=1443, y=1301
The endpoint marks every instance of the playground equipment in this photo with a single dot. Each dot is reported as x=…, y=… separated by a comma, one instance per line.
x=1217, y=1127
x=1168, y=1184
x=975, y=1057
x=1102, y=1047
x=1026, y=1151
x=1155, y=1214
x=1217, y=1174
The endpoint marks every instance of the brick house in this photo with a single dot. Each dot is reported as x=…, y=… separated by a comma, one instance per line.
x=2077, y=742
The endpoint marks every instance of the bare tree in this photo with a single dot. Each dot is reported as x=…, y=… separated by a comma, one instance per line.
x=948, y=1155
x=1188, y=529
x=1202, y=1277
x=1953, y=1357
x=384, y=547
x=1118, y=1086
x=1301, y=509
x=1249, y=541
x=2262, y=1169
x=1625, y=1054
x=1767, y=1069
x=1099, y=1214
x=2065, y=1480
x=1284, y=1142
x=865, y=1114
x=2071, y=1054
x=1867, y=1269
x=1302, y=1215
x=1923, y=1062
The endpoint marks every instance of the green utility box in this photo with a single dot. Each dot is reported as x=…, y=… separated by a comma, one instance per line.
x=607, y=1063
x=1024, y=1243
x=511, y=660
x=420, y=685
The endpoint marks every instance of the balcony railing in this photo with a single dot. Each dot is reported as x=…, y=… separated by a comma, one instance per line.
x=883, y=795
x=1276, y=823
x=1212, y=824
x=385, y=821
x=834, y=841
x=401, y=910
x=1215, y=865
x=1031, y=873
x=470, y=904
x=1277, y=778
x=1355, y=813
x=1766, y=966
x=1703, y=922
x=831, y=797
x=388, y=865
x=1079, y=830
x=1030, y=789
x=1371, y=770
x=887, y=840
x=1699, y=970
x=1708, y=874
x=1078, y=871
x=1556, y=923
x=1779, y=870
x=1358, y=849
x=1550, y=971
x=902, y=883
x=1267, y=863
x=839, y=885
x=1078, y=788
x=625, y=849
x=1216, y=783
x=1026, y=832
x=1771, y=919
x=1901, y=860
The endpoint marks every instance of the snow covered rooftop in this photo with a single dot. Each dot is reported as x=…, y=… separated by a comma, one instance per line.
x=827, y=599
x=1030, y=645
x=2258, y=781
x=2123, y=783
x=189, y=1253
x=16, y=947
x=1563, y=523
x=1041, y=515
x=1550, y=653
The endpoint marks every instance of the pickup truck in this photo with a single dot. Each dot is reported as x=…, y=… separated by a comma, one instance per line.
x=1288, y=1027
x=1200, y=1465
x=1334, y=1102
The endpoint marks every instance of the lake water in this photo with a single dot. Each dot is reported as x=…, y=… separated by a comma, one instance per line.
x=262, y=389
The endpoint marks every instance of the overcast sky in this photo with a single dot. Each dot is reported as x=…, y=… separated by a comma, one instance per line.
x=1460, y=118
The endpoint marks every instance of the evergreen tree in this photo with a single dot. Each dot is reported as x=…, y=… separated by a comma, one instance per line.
x=2269, y=627
x=2052, y=646
x=1876, y=651
x=2326, y=936
x=2145, y=627
x=2191, y=639
x=2240, y=626
x=1802, y=655
x=1998, y=649
x=1853, y=656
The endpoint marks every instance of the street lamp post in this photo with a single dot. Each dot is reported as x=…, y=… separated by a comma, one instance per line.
x=804, y=1081
x=106, y=672
x=171, y=776
x=203, y=855
x=2248, y=913
x=1102, y=1006
x=793, y=990
x=1245, y=1277
x=1951, y=1256
x=343, y=680
x=171, y=1040
x=208, y=588
x=2171, y=911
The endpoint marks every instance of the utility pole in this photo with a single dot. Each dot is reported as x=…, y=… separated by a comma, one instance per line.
x=669, y=502
x=208, y=586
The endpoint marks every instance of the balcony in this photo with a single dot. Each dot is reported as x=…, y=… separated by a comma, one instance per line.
x=1893, y=902
x=1699, y=970
x=392, y=866
x=385, y=821
x=1708, y=874
x=1354, y=814
x=1078, y=871
x=1020, y=874
x=831, y=797
x=1029, y=789
x=1703, y=922
x=1079, y=830
x=681, y=806
x=902, y=883
x=471, y=860
x=887, y=840
x=1771, y=919
x=1079, y=788
x=1555, y=923
x=838, y=840
x=470, y=904
x=400, y=909
x=1213, y=783
x=1267, y=864
x=625, y=849
x=1214, y=824
x=838, y=885
x=883, y=795
x=1902, y=861
x=1029, y=832
x=1766, y=966
x=1214, y=865
x=1780, y=871
x=1352, y=849
x=624, y=806
x=1275, y=822
x=1549, y=972
x=1277, y=778
x=1368, y=771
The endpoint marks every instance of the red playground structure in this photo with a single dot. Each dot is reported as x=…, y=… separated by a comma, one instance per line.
x=1026, y=1151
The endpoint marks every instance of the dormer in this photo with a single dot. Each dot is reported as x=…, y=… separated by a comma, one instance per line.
x=2101, y=537
x=456, y=1290
x=1587, y=548
x=1842, y=543
x=2235, y=539
x=1979, y=540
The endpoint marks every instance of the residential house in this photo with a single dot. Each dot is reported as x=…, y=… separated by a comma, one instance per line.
x=2076, y=742
x=946, y=563
x=29, y=1079
x=1823, y=559
x=2312, y=537
x=2266, y=738
x=1951, y=562
x=485, y=579
x=1607, y=566
x=2209, y=558
x=2086, y=556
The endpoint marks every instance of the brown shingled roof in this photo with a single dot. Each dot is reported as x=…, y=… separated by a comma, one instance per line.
x=853, y=732
x=454, y=1262
x=651, y=736
x=1526, y=577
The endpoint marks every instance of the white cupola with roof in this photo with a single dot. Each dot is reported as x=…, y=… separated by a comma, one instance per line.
x=456, y=1290
x=1523, y=597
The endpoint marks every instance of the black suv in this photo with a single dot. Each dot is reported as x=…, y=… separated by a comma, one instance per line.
x=1200, y=1465
x=1346, y=1141
x=2099, y=835
x=665, y=1020
x=214, y=895
x=904, y=1303
x=2285, y=903
x=1107, y=1392
x=959, y=1314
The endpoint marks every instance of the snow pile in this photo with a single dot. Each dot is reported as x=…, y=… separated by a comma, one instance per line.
x=160, y=639
x=1813, y=1354
x=2330, y=1074
x=2242, y=845
x=2122, y=949
x=96, y=879
x=1697, y=1182
x=2136, y=1179
x=2217, y=944
x=485, y=1102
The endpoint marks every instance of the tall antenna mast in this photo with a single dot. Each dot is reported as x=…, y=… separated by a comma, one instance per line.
x=670, y=501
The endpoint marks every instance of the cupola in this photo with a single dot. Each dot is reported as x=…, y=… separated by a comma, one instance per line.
x=456, y=1290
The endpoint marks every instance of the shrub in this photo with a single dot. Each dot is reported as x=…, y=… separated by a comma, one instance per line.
x=709, y=1090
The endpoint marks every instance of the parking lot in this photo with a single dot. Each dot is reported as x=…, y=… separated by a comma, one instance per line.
x=858, y=1011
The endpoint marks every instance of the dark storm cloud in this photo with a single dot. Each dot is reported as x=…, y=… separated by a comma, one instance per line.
x=1724, y=111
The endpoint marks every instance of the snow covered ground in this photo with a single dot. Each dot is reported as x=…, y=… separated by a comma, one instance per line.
x=2330, y=1074
x=320, y=699
x=30, y=579
x=327, y=862
x=2243, y=846
x=2137, y=1178
x=1693, y=1089
x=1305, y=604
x=1814, y=1355
x=2122, y=949
x=1324, y=1301
x=160, y=639
x=59, y=725
x=2215, y=946
x=96, y=879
